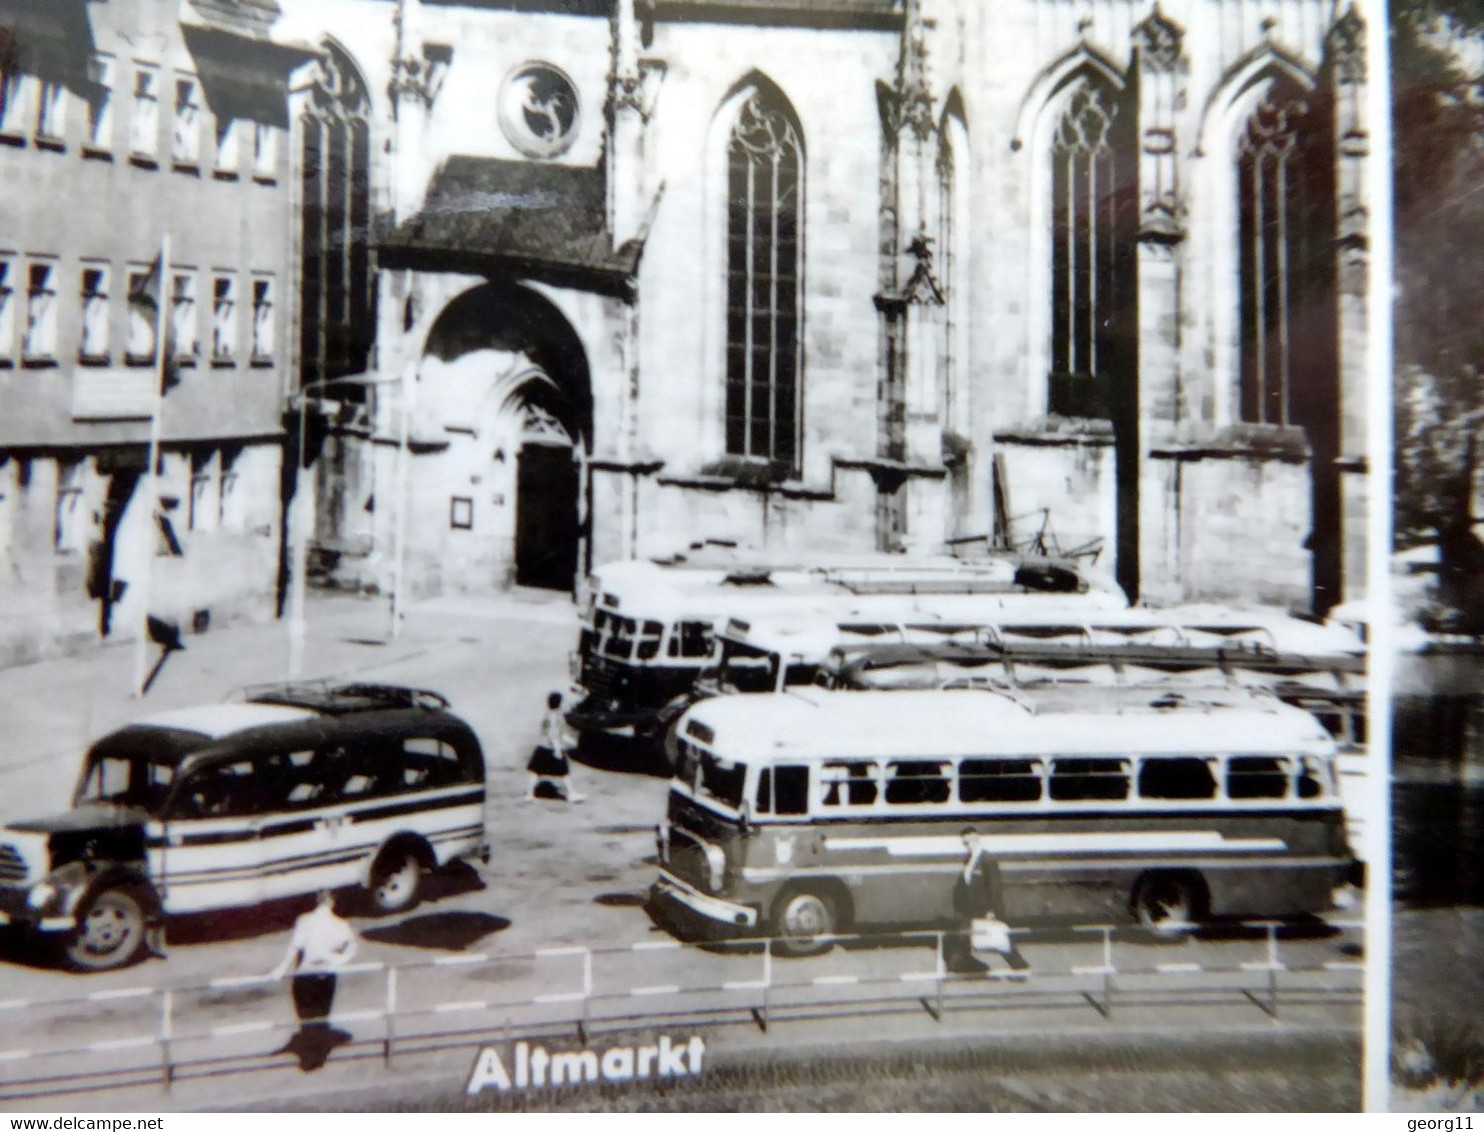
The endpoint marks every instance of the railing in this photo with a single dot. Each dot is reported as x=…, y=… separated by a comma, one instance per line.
x=412, y=1007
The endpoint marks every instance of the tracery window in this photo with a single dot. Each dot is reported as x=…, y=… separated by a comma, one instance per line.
x=1281, y=249
x=765, y=162
x=1088, y=166
x=336, y=296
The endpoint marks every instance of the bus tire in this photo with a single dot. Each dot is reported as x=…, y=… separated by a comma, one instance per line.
x=111, y=927
x=801, y=916
x=397, y=878
x=1169, y=903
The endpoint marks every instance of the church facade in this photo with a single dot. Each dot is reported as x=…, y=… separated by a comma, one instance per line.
x=594, y=279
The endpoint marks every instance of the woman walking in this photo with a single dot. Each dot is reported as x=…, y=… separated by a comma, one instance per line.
x=549, y=765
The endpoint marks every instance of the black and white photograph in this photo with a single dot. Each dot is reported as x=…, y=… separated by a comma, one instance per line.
x=739, y=555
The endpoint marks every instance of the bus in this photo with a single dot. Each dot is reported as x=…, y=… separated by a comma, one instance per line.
x=648, y=629
x=818, y=812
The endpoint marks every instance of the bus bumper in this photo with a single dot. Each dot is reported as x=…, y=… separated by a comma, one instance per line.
x=669, y=892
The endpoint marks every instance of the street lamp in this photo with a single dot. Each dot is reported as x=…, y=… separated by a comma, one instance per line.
x=299, y=518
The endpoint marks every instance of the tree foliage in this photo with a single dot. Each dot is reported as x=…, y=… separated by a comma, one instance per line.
x=1438, y=107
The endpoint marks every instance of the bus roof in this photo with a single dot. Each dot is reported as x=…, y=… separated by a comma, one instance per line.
x=812, y=723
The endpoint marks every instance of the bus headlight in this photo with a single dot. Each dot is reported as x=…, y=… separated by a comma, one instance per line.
x=41, y=897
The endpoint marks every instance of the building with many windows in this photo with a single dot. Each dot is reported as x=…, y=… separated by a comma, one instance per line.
x=147, y=208
x=838, y=275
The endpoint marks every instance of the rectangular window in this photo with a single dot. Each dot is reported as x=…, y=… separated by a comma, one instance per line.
x=67, y=524
x=228, y=147
x=40, y=343
x=691, y=639
x=100, y=104
x=200, y=493
x=229, y=508
x=790, y=790
x=51, y=113
x=185, y=144
x=144, y=122
x=461, y=513
x=7, y=311
x=918, y=782
x=183, y=316
x=1258, y=776
x=262, y=321
x=849, y=783
x=1181, y=779
x=14, y=88
x=264, y=152
x=650, y=633
x=94, y=344
x=223, y=319
x=143, y=318
x=1000, y=780
x=1089, y=780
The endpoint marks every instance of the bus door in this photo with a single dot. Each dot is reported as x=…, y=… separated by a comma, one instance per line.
x=209, y=854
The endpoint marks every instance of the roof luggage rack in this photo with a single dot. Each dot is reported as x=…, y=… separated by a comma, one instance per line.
x=333, y=697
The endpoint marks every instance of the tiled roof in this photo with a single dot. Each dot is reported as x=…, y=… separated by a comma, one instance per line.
x=528, y=213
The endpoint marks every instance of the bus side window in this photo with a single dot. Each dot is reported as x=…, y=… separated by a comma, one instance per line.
x=1358, y=727
x=1086, y=780
x=1176, y=778
x=1310, y=782
x=649, y=640
x=1000, y=780
x=917, y=783
x=428, y=762
x=691, y=639
x=1257, y=776
x=765, y=790
x=849, y=784
x=791, y=789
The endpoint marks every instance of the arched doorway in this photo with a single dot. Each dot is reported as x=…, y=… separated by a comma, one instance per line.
x=505, y=390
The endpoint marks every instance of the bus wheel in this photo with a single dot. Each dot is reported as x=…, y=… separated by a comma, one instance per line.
x=800, y=918
x=110, y=932
x=1168, y=903
x=396, y=881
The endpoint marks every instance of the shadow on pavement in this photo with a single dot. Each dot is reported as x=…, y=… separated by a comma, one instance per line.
x=440, y=931
x=620, y=899
x=622, y=754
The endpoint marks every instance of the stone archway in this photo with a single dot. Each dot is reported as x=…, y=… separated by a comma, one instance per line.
x=505, y=425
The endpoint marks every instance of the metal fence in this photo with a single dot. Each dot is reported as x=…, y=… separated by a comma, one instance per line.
x=177, y=1032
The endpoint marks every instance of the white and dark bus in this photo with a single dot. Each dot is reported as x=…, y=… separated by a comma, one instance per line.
x=649, y=629
x=816, y=812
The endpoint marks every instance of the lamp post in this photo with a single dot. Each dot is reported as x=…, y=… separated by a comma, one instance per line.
x=299, y=515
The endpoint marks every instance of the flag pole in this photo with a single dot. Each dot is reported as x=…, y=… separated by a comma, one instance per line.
x=151, y=498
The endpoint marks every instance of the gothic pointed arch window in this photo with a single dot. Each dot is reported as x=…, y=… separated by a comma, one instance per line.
x=764, y=368
x=1091, y=172
x=336, y=287
x=1283, y=185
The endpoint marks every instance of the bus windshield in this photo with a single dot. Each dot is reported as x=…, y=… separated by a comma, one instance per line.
x=711, y=777
x=746, y=668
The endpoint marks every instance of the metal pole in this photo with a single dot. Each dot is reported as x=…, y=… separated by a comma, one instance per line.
x=391, y=1009
x=151, y=484
x=404, y=460
x=299, y=548
x=167, y=1069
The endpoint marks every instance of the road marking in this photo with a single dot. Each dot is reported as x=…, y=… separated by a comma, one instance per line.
x=548, y=998
x=548, y=951
x=1177, y=968
x=743, y=986
x=1263, y=967
x=637, y=991
x=1094, y=970
x=123, y=1043
x=15, y=1055
x=835, y=980
x=452, y=1007
x=15, y=1004
x=918, y=976
x=657, y=945
x=361, y=1015
x=242, y=1028
x=240, y=980
x=455, y=960
x=124, y=992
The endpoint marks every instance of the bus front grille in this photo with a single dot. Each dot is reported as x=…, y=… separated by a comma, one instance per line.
x=12, y=865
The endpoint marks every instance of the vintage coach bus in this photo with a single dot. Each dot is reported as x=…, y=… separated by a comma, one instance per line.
x=816, y=812
x=301, y=787
x=649, y=629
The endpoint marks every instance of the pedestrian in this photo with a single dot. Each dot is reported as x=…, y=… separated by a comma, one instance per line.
x=549, y=765
x=978, y=901
x=322, y=943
